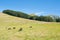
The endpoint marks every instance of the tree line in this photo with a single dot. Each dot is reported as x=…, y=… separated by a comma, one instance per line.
x=34, y=17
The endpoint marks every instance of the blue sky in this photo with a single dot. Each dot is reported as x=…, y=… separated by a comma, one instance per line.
x=39, y=7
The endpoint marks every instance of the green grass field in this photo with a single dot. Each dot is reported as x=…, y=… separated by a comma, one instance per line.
x=39, y=31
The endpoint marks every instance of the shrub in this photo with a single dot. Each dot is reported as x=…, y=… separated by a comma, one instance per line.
x=9, y=28
x=14, y=28
x=30, y=27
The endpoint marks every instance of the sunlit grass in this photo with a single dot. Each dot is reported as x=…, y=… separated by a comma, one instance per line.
x=39, y=30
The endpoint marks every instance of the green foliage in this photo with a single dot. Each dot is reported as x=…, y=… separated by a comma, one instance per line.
x=32, y=16
x=41, y=18
x=48, y=19
x=16, y=13
x=58, y=20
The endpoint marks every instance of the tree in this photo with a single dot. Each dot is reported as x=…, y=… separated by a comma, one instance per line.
x=49, y=18
x=16, y=13
x=32, y=16
x=41, y=18
x=58, y=19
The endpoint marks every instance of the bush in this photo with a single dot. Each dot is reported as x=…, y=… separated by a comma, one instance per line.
x=20, y=29
x=30, y=27
x=14, y=28
x=9, y=28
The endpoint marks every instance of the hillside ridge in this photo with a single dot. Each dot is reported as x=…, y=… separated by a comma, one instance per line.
x=6, y=16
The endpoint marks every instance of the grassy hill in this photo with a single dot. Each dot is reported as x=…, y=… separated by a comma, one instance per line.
x=10, y=29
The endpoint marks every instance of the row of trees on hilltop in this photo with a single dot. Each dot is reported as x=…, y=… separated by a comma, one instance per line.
x=16, y=13
x=32, y=17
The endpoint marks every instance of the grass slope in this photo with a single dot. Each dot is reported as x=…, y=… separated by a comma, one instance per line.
x=39, y=30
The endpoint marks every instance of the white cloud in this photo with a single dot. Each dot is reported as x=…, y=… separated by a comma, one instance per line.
x=40, y=13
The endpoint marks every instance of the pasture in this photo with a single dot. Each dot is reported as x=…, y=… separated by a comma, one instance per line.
x=14, y=28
